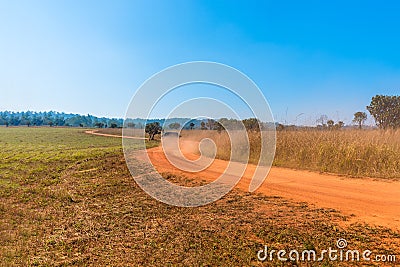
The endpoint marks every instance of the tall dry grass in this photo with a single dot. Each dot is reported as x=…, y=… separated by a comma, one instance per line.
x=360, y=153
x=372, y=153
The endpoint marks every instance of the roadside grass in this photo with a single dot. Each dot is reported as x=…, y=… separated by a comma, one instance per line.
x=365, y=153
x=67, y=198
x=371, y=153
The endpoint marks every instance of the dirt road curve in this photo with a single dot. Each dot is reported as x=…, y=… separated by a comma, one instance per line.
x=371, y=200
x=94, y=132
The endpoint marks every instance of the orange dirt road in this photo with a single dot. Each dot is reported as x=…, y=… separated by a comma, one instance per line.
x=374, y=201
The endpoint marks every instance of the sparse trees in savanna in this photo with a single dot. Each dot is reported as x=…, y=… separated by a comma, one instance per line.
x=152, y=129
x=385, y=110
x=359, y=118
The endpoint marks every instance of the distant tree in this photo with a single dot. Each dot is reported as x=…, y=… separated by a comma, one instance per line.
x=251, y=124
x=360, y=118
x=191, y=125
x=74, y=121
x=152, y=129
x=203, y=126
x=330, y=124
x=59, y=121
x=99, y=125
x=51, y=123
x=385, y=110
x=130, y=125
x=174, y=125
x=218, y=126
x=280, y=127
x=24, y=120
x=113, y=123
x=231, y=124
x=210, y=124
x=37, y=121
x=15, y=121
x=339, y=125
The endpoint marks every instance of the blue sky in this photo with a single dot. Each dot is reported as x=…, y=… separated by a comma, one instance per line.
x=310, y=57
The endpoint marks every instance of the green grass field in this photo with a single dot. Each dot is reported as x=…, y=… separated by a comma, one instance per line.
x=67, y=198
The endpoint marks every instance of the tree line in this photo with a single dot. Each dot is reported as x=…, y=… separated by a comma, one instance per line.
x=52, y=118
x=384, y=109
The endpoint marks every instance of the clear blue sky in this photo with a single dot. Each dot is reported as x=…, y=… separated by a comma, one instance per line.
x=311, y=57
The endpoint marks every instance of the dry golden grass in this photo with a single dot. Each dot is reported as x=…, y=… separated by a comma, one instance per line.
x=371, y=153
